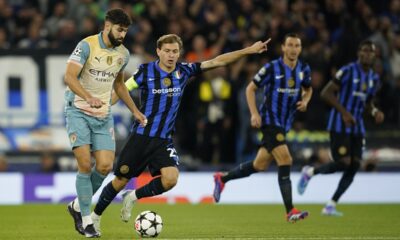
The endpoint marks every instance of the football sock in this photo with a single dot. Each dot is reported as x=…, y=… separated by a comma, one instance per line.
x=85, y=192
x=154, y=187
x=86, y=220
x=241, y=171
x=285, y=186
x=330, y=168
x=346, y=180
x=106, y=197
x=97, y=179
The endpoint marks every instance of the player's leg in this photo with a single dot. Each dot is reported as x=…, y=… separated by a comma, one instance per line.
x=352, y=162
x=284, y=161
x=340, y=145
x=260, y=163
x=84, y=188
x=80, y=139
x=163, y=166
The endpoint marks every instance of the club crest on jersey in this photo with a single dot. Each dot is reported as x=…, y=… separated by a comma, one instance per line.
x=342, y=150
x=177, y=74
x=124, y=169
x=291, y=83
x=280, y=137
x=167, y=82
x=72, y=138
x=109, y=60
x=120, y=61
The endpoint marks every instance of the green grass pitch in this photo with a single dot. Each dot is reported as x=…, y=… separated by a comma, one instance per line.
x=205, y=221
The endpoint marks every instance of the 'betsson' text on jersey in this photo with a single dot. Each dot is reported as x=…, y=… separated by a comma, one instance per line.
x=290, y=91
x=170, y=91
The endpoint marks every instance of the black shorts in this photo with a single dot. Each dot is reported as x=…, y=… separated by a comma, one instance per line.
x=273, y=136
x=346, y=145
x=142, y=151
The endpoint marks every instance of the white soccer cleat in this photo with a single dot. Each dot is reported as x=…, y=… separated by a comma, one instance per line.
x=96, y=222
x=127, y=205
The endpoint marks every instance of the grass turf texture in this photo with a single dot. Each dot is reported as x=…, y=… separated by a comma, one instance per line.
x=33, y=221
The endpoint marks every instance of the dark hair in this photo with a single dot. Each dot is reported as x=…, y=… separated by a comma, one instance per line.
x=365, y=43
x=170, y=38
x=118, y=16
x=288, y=35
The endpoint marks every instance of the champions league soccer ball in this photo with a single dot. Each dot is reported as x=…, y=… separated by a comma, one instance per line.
x=148, y=224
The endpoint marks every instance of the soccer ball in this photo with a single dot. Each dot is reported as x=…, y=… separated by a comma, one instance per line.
x=148, y=224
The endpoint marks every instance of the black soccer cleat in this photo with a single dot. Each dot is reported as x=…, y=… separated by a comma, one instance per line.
x=77, y=218
x=90, y=232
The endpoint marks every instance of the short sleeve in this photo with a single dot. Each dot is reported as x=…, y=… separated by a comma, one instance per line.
x=305, y=76
x=137, y=76
x=341, y=76
x=263, y=75
x=191, y=69
x=81, y=53
x=126, y=61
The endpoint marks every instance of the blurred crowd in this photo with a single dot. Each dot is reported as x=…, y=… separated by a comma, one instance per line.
x=213, y=124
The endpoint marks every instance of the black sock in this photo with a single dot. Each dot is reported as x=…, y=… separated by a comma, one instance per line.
x=330, y=168
x=286, y=186
x=154, y=187
x=346, y=180
x=106, y=197
x=241, y=171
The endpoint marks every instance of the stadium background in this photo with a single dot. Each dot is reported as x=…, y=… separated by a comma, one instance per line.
x=213, y=133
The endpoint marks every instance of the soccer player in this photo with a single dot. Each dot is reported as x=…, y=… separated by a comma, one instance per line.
x=94, y=69
x=286, y=83
x=352, y=89
x=161, y=83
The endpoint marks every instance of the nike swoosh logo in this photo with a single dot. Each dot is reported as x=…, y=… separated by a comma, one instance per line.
x=279, y=77
x=151, y=79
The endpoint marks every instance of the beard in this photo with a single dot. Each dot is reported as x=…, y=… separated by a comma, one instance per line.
x=115, y=42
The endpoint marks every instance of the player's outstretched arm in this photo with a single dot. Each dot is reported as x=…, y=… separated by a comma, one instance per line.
x=227, y=58
x=122, y=91
x=71, y=79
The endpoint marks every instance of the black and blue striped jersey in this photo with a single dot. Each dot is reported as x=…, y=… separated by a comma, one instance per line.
x=161, y=94
x=282, y=90
x=356, y=89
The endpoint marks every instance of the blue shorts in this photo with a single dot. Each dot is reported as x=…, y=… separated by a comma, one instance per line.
x=83, y=129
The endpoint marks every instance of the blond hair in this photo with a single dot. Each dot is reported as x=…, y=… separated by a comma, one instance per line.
x=170, y=38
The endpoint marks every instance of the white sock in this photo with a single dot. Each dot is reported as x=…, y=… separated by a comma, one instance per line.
x=95, y=216
x=310, y=171
x=76, y=206
x=86, y=220
x=331, y=203
x=132, y=196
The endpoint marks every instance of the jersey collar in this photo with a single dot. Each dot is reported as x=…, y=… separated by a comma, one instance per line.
x=102, y=44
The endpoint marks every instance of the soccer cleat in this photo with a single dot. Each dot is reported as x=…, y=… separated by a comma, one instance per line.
x=127, y=205
x=90, y=232
x=294, y=215
x=77, y=218
x=96, y=222
x=218, y=187
x=331, y=211
x=304, y=179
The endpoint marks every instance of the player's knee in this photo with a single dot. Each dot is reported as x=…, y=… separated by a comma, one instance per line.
x=260, y=165
x=85, y=167
x=104, y=169
x=169, y=181
x=355, y=165
x=345, y=162
x=119, y=183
